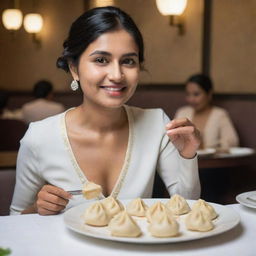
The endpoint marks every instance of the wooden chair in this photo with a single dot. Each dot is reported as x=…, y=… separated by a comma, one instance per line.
x=7, y=183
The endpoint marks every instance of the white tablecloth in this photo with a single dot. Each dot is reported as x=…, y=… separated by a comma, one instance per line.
x=45, y=236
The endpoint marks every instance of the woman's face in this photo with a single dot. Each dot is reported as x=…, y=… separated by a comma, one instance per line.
x=197, y=97
x=108, y=69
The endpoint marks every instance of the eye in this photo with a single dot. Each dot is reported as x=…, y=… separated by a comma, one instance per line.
x=129, y=62
x=101, y=60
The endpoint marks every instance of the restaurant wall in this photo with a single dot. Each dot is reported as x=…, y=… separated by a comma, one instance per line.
x=233, y=49
x=22, y=62
x=170, y=58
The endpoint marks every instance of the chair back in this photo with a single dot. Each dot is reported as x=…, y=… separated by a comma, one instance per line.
x=11, y=132
x=7, y=183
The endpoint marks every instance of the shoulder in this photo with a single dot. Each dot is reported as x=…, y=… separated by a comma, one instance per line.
x=42, y=130
x=219, y=112
x=29, y=104
x=185, y=111
x=56, y=104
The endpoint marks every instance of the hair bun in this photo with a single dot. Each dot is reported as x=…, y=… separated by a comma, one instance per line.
x=62, y=63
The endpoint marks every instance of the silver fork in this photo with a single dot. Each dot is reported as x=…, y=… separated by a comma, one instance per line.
x=75, y=192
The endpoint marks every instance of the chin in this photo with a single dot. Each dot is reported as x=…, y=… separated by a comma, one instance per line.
x=113, y=105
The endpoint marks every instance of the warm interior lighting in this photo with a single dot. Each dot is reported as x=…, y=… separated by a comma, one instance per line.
x=33, y=23
x=101, y=3
x=12, y=19
x=173, y=8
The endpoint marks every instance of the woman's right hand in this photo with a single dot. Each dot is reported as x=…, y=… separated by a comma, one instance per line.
x=51, y=200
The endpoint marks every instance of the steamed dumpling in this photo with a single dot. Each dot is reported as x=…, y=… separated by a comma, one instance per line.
x=165, y=226
x=112, y=206
x=123, y=225
x=178, y=205
x=96, y=215
x=197, y=221
x=91, y=190
x=137, y=208
x=207, y=210
x=156, y=211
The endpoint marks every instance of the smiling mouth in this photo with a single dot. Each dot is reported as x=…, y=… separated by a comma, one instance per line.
x=113, y=89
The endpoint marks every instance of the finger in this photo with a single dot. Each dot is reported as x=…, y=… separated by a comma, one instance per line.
x=43, y=211
x=46, y=196
x=186, y=130
x=49, y=206
x=179, y=122
x=57, y=191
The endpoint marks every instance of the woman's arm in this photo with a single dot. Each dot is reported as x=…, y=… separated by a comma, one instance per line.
x=28, y=177
x=50, y=200
x=31, y=195
x=177, y=164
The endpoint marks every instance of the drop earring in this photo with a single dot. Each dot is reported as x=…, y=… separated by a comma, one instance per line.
x=74, y=85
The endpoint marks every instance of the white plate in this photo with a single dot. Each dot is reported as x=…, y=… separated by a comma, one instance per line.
x=226, y=220
x=206, y=152
x=243, y=199
x=237, y=151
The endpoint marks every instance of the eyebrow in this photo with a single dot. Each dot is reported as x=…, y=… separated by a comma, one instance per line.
x=109, y=54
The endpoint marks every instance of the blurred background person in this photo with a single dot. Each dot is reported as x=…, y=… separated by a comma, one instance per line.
x=6, y=113
x=43, y=106
x=214, y=123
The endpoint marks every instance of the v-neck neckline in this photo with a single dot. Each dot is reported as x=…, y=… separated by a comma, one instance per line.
x=207, y=121
x=117, y=187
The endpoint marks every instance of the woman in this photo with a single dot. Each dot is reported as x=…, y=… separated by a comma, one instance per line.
x=103, y=140
x=213, y=122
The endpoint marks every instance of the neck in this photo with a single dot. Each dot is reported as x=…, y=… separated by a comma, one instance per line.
x=204, y=110
x=100, y=119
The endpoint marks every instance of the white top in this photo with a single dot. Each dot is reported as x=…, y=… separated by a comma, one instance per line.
x=219, y=131
x=46, y=156
x=32, y=234
x=39, y=109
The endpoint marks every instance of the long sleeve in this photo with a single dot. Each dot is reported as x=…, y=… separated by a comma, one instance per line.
x=180, y=175
x=228, y=135
x=28, y=179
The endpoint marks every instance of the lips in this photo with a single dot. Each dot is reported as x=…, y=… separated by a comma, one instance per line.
x=111, y=88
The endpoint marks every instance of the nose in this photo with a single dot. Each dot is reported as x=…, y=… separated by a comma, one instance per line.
x=115, y=73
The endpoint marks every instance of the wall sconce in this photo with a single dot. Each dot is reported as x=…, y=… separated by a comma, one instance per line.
x=33, y=23
x=12, y=19
x=173, y=8
x=101, y=3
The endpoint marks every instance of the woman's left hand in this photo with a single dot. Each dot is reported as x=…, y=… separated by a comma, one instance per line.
x=184, y=136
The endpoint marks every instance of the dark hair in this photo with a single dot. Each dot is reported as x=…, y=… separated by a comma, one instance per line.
x=92, y=24
x=203, y=81
x=42, y=89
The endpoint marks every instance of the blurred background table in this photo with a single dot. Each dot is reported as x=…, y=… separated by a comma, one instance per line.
x=223, y=176
x=226, y=161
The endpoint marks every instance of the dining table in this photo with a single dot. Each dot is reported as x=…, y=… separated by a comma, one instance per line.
x=37, y=235
x=227, y=160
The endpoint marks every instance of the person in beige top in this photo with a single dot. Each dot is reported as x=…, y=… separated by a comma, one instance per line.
x=214, y=123
x=43, y=106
